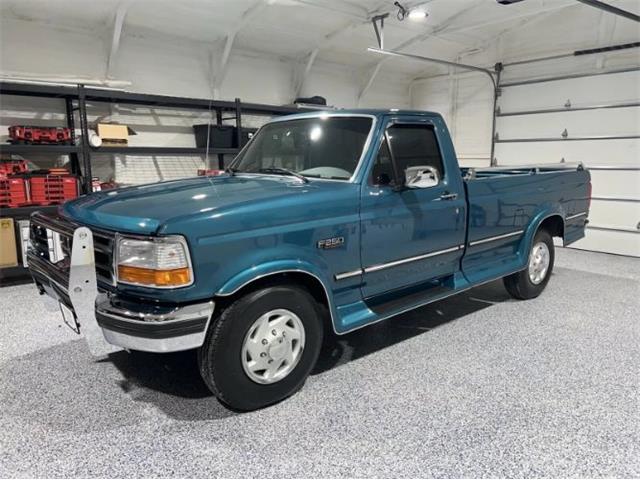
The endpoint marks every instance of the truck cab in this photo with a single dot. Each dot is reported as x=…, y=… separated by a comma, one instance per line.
x=326, y=221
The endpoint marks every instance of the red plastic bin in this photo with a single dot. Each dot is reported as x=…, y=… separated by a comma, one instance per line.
x=51, y=189
x=13, y=192
x=32, y=134
x=12, y=167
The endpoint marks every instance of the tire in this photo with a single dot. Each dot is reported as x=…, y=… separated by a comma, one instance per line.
x=223, y=358
x=521, y=285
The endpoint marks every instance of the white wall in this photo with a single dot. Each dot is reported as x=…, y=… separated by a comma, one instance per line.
x=466, y=102
x=173, y=66
x=164, y=65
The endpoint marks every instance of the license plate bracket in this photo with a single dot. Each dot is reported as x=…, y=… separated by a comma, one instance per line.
x=69, y=317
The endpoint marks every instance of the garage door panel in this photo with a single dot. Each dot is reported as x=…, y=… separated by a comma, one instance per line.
x=613, y=223
x=603, y=89
x=474, y=162
x=615, y=183
x=609, y=122
x=614, y=214
x=589, y=152
x=621, y=243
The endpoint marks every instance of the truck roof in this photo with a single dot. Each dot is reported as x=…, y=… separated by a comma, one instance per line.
x=376, y=112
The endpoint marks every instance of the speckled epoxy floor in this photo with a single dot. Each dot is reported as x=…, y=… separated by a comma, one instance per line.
x=478, y=385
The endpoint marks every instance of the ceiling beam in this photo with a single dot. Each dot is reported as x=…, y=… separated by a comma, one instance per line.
x=223, y=65
x=305, y=72
x=496, y=21
x=313, y=54
x=611, y=9
x=519, y=23
x=116, y=35
x=344, y=10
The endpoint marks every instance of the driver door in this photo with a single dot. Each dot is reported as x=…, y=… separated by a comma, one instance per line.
x=410, y=235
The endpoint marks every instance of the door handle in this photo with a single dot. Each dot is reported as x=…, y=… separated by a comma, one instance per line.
x=448, y=196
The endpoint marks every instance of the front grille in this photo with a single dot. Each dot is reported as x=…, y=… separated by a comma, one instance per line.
x=51, y=238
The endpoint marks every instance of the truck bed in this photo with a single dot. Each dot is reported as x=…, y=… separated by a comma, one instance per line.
x=503, y=202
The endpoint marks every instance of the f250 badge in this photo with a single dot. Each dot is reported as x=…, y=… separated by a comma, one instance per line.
x=330, y=242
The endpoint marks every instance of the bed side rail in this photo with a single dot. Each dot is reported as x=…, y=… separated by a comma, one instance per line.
x=470, y=173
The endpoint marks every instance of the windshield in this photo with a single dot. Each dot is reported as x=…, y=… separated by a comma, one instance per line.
x=320, y=147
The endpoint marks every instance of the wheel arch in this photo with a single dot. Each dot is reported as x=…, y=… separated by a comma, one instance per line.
x=554, y=224
x=550, y=220
x=311, y=281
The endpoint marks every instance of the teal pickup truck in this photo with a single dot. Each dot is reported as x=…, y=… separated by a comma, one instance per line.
x=332, y=220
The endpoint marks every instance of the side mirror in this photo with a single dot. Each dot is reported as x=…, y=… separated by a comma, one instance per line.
x=421, y=177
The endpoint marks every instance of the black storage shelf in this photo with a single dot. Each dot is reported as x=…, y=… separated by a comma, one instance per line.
x=38, y=90
x=126, y=150
x=132, y=98
x=14, y=276
x=9, y=148
x=114, y=96
x=76, y=98
x=25, y=212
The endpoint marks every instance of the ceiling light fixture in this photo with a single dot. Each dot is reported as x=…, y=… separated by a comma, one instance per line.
x=417, y=15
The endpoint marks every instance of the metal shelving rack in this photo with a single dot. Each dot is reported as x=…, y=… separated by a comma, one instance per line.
x=80, y=153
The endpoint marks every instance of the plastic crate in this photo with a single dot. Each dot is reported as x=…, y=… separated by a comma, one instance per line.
x=13, y=192
x=11, y=167
x=32, y=134
x=52, y=189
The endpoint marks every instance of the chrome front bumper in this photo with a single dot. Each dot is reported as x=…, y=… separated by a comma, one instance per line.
x=107, y=321
x=153, y=329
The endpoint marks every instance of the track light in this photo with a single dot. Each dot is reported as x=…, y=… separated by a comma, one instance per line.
x=417, y=14
x=412, y=13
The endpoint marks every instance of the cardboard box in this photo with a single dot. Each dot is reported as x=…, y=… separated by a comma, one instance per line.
x=8, y=252
x=113, y=134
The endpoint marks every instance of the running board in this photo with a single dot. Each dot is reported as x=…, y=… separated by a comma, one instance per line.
x=393, y=302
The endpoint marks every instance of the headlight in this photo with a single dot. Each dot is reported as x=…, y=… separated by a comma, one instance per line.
x=161, y=262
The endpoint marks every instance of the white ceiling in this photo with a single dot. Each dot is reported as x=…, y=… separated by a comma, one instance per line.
x=294, y=28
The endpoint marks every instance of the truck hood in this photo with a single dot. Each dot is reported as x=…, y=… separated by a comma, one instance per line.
x=145, y=209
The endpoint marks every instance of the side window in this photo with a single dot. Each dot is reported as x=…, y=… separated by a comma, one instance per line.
x=415, y=145
x=382, y=172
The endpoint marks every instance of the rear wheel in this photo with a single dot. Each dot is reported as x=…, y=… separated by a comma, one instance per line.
x=262, y=347
x=530, y=282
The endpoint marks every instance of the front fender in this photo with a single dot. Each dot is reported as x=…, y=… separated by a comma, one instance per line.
x=275, y=267
x=257, y=272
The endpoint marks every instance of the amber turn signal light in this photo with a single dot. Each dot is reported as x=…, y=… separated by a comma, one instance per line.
x=177, y=277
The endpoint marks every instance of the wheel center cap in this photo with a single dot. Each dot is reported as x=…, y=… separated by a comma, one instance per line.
x=277, y=349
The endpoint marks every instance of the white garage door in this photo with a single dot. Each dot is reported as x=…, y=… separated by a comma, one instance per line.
x=592, y=119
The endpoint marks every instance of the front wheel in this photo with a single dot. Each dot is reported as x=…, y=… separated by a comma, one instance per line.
x=530, y=283
x=262, y=347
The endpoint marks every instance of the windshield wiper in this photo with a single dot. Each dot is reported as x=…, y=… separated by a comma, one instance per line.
x=230, y=171
x=285, y=171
